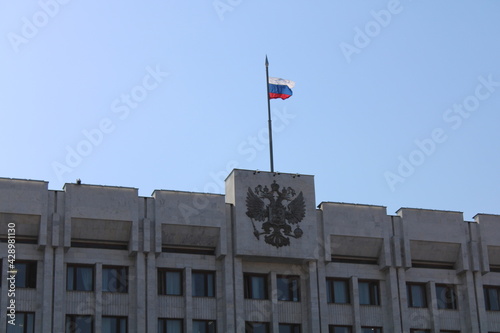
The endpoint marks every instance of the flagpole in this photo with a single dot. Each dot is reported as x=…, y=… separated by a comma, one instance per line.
x=269, y=116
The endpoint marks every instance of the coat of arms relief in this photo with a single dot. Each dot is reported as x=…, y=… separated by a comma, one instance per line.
x=279, y=211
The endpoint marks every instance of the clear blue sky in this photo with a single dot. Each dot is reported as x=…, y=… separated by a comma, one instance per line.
x=396, y=103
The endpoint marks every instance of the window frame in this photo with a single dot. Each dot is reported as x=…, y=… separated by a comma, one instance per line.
x=248, y=289
x=375, y=329
x=446, y=303
x=123, y=280
x=30, y=273
x=487, y=301
x=209, y=290
x=296, y=328
x=250, y=329
x=163, y=322
x=75, y=277
x=373, y=292
x=330, y=290
x=162, y=281
x=72, y=318
x=119, y=318
x=25, y=322
x=410, y=296
x=331, y=328
x=292, y=293
x=207, y=322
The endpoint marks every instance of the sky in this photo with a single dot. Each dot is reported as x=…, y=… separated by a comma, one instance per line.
x=396, y=103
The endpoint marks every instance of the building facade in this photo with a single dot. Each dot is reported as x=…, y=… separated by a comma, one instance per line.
x=263, y=257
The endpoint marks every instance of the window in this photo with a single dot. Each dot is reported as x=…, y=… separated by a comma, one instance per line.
x=80, y=278
x=255, y=286
x=417, y=296
x=114, y=324
x=170, y=325
x=369, y=293
x=203, y=326
x=339, y=329
x=448, y=331
x=288, y=288
x=24, y=323
x=169, y=282
x=337, y=291
x=254, y=327
x=79, y=324
x=203, y=284
x=446, y=297
x=413, y=330
x=371, y=330
x=492, y=298
x=115, y=279
x=289, y=328
x=26, y=274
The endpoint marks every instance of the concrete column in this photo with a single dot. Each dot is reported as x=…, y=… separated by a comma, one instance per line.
x=432, y=297
x=138, y=313
x=48, y=277
x=322, y=297
x=59, y=290
x=98, y=297
x=274, y=303
x=189, y=299
x=151, y=294
x=355, y=304
x=313, y=291
x=394, y=313
x=239, y=300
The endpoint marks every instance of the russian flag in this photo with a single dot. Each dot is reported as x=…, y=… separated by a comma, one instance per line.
x=280, y=88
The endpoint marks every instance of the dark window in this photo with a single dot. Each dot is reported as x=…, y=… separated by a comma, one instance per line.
x=80, y=278
x=115, y=279
x=337, y=291
x=371, y=329
x=492, y=298
x=432, y=264
x=289, y=328
x=369, y=293
x=203, y=284
x=253, y=327
x=114, y=325
x=26, y=274
x=204, y=326
x=339, y=329
x=255, y=286
x=355, y=260
x=79, y=324
x=288, y=288
x=448, y=331
x=416, y=330
x=189, y=250
x=446, y=297
x=169, y=282
x=24, y=323
x=417, y=296
x=170, y=325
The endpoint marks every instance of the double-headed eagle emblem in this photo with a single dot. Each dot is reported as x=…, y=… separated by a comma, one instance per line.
x=278, y=210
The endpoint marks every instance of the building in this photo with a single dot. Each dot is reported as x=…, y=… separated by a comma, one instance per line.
x=261, y=258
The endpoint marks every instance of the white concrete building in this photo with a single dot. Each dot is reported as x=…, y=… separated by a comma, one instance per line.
x=261, y=258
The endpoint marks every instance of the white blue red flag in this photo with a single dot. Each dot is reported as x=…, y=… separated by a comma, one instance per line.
x=280, y=88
